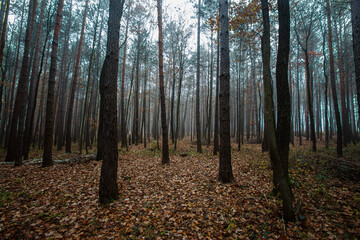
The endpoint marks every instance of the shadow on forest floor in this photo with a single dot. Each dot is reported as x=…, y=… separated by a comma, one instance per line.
x=181, y=199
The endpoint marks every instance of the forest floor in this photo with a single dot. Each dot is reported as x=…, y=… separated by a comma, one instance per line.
x=182, y=199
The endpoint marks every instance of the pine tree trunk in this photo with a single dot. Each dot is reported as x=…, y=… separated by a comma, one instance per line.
x=165, y=150
x=275, y=155
x=50, y=106
x=333, y=84
x=73, y=84
x=108, y=189
x=216, y=117
x=355, y=19
x=198, y=126
x=123, y=133
x=34, y=84
x=16, y=137
x=225, y=168
x=85, y=118
x=181, y=75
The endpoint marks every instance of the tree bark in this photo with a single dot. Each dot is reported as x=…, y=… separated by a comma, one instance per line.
x=355, y=19
x=333, y=84
x=165, y=145
x=225, y=168
x=85, y=119
x=216, y=117
x=123, y=133
x=108, y=189
x=17, y=122
x=198, y=126
x=74, y=83
x=283, y=53
x=50, y=106
x=33, y=86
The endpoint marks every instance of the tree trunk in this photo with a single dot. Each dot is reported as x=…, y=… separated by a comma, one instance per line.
x=181, y=75
x=34, y=83
x=355, y=19
x=211, y=90
x=50, y=106
x=108, y=189
x=216, y=118
x=123, y=133
x=225, y=168
x=333, y=84
x=165, y=150
x=198, y=127
x=74, y=83
x=17, y=122
x=85, y=118
x=283, y=53
x=298, y=96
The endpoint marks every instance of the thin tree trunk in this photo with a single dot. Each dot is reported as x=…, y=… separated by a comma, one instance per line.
x=198, y=127
x=74, y=83
x=123, y=133
x=216, y=118
x=181, y=75
x=165, y=150
x=211, y=90
x=85, y=118
x=50, y=106
x=333, y=84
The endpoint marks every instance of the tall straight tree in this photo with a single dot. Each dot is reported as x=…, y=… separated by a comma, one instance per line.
x=282, y=87
x=225, y=168
x=18, y=117
x=216, y=117
x=333, y=84
x=50, y=105
x=164, y=128
x=74, y=83
x=2, y=46
x=355, y=19
x=60, y=115
x=123, y=134
x=279, y=174
x=3, y=32
x=198, y=127
x=307, y=29
x=33, y=86
x=108, y=189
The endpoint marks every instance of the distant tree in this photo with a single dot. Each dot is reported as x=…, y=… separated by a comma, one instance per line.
x=6, y=4
x=339, y=149
x=165, y=145
x=197, y=117
x=123, y=133
x=225, y=168
x=74, y=83
x=306, y=27
x=108, y=189
x=60, y=119
x=50, y=105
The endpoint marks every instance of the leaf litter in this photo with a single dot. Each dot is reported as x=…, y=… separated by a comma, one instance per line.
x=180, y=200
